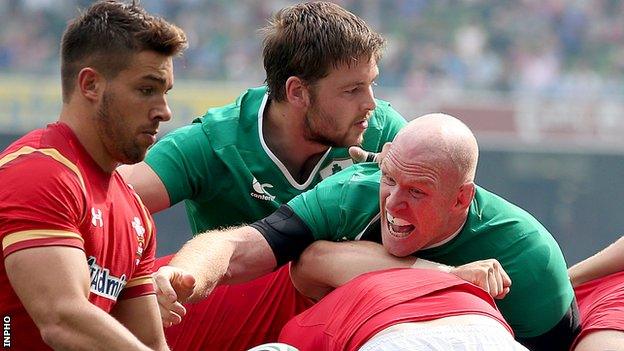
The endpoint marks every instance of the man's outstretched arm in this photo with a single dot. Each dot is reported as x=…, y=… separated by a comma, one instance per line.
x=605, y=262
x=325, y=265
x=232, y=255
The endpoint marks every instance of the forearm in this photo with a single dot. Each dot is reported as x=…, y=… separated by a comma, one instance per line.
x=356, y=258
x=79, y=325
x=327, y=265
x=425, y=264
x=224, y=257
x=206, y=257
x=607, y=261
x=141, y=317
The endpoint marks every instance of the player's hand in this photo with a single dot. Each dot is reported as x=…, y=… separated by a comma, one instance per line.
x=173, y=287
x=486, y=274
x=360, y=155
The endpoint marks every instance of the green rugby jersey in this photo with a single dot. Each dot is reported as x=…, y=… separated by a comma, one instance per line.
x=221, y=165
x=346, y=207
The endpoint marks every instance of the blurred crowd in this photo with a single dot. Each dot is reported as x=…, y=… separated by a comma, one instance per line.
x=553, y=47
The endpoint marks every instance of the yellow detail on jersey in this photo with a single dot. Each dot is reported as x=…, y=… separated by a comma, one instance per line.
x=17, y=237
x=54, y=153
x=146, y=279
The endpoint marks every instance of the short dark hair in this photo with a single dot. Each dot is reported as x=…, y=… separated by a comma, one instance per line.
x=107, y=34
x=307, y=40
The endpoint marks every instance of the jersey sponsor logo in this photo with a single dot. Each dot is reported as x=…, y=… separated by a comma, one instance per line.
x=260, y=190
x=334, y=167
x=140, y=232
x=96, y=217
x=103, y=283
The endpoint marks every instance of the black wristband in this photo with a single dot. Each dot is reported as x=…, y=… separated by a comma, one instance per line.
x=370, y=157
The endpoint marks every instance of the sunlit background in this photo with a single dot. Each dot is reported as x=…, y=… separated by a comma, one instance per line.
x=541, y=82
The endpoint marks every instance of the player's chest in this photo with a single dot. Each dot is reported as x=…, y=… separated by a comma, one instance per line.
x=116, y=230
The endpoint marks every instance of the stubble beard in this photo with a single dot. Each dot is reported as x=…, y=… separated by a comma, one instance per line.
x=114, y=134
x=315, y=123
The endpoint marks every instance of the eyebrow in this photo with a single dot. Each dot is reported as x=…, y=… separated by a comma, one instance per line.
x=409, y=178
x=155, y=78
x=160, y=80
x=359, y=83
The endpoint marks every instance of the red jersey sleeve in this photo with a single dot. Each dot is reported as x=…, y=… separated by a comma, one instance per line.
x=42, y=203
x=141, y=282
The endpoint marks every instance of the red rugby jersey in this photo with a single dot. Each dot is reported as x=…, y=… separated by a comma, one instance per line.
x=350, y=315
x=54, y=194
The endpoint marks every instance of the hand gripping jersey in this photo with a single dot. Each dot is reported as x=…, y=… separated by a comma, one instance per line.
x=54, y=194
x=369, y=303
x=601, y=303
x=346, y=207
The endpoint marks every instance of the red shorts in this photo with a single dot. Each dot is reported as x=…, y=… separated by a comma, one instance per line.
x=601, y=304
x=238, y=317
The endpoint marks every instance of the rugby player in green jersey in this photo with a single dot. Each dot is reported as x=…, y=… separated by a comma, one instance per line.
x=238, y=163
x=430, y=207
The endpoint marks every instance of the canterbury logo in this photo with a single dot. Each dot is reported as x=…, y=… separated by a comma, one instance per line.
x=96, y=217
x=260, y=190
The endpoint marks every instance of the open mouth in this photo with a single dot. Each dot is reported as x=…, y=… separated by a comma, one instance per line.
x=398, y=227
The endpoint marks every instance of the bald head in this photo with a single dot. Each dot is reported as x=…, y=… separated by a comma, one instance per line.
x=442, y=140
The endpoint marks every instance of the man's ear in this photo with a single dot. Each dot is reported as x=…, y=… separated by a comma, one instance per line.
x=297, y=92
x=90, y=84
x=465, y=195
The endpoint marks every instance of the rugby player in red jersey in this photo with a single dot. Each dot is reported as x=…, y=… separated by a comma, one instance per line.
x=78, y=245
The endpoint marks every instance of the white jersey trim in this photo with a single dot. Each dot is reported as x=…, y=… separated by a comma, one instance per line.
x=277, y=161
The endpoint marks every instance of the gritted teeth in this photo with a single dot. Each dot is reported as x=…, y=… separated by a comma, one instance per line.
x=399, y=227
x=396, y=221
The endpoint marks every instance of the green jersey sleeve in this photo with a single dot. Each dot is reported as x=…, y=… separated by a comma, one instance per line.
x=182, y=162
x=341, y=206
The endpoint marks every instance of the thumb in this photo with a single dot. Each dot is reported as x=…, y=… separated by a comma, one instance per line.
x=360, y=155
x=187, y=281
x=185, y=286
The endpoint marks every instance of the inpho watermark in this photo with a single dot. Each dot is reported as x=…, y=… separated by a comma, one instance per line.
x=6, y=332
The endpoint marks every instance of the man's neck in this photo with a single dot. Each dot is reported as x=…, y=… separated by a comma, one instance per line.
x=450, y=236
x=283, y=132
x=78, y=120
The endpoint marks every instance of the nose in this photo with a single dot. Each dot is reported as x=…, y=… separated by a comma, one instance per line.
x=162, y=112
x=395, y=201
x=369, y=103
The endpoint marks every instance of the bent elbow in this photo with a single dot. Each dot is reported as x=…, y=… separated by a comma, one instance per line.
x=54, y=335
x=55, y=325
